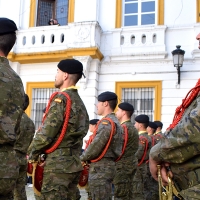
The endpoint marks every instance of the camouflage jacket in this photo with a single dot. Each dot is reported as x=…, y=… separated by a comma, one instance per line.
x=181, y=146
x=132, y=144
x=142, y=146
x=27, y=130
x=65, y=158
x=155, y=138
x=11, y=102
x=98, y=144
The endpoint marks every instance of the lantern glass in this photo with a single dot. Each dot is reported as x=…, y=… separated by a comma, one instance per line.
x=178, y=60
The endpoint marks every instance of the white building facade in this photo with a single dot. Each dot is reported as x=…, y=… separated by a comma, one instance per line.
x=125, y=47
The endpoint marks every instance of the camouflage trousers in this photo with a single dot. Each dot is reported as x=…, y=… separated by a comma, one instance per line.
x=9, y=171
x=123, y=180
x=60, y=186
x=192, y=193
x=101, y=176
x=151, y=190
x=6, y=188
x=138, y=182
x=19, y=190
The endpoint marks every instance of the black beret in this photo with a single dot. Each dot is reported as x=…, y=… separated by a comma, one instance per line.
x=153, y=125
x=94, y=121
x=159, y=123
x=107, y=96
x=126, y=106
x=7, y=26
x=71, y=66
x=142, y=119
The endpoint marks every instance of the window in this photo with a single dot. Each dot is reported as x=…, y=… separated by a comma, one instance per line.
x=56, y=9
x=43, y=10
x=142, y=100
x=139, y=12
x=144, y=96
x=40, y=98
x=39, y=94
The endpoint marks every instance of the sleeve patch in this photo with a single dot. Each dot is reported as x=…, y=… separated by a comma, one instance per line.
x=58, y=100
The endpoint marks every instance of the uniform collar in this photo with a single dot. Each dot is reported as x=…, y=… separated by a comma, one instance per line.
x=140, y=132
x=125, y=121
x=71, y=87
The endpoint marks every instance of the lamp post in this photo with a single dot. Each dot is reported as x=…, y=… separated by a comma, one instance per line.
x=178, y=57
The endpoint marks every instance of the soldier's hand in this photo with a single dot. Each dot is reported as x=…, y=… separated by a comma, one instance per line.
x=42, y=164
x=169, y=172
x=83, y=163
x=164, y=175
x=153, y=168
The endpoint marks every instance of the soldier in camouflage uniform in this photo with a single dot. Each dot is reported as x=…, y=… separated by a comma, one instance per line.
x=27, y=130
x=150, y=184
x=63, y=166
x=11, y=104
x=141, y=124
x=159, y=129
x=126, y=166
x=178, y=153
x=92, y=126
x=101, y=172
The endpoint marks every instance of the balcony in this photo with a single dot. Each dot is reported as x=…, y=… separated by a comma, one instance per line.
x=52, y=43
x=135, y=43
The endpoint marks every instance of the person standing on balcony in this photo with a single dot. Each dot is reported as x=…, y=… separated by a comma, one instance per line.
x=27, y=130
x=11, y=110
x=65, y=123
x=53, y=22
x=127, y=163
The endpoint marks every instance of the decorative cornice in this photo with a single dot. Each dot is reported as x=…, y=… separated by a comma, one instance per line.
x=54, y=56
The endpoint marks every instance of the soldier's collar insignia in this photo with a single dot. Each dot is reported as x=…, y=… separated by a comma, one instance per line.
x=58, y=100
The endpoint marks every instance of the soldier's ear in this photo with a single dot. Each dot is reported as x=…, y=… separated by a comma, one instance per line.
x=105, y=103
x=65, y=75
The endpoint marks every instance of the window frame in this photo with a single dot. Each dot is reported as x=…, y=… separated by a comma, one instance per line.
x=139, y=13
x=157, y=85
x=29, y=88
x=198, y=11
x=34, y=8
x=119, y=13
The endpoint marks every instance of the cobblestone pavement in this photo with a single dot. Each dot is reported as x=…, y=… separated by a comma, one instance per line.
x=30, y=194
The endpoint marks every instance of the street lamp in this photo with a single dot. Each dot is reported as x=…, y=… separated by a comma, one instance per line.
x=178, y=57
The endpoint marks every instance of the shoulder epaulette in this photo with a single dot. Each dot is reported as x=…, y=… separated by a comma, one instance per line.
x=58, y=100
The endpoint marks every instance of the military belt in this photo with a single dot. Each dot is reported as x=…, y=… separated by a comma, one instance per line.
x=187, y=180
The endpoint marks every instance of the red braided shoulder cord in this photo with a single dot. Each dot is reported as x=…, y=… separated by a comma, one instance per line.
x=112, y=132
x=152, y=140
x=191, y=95
x=145, y=150
x=66, y=120
x=91, y=138
x=125, y=141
